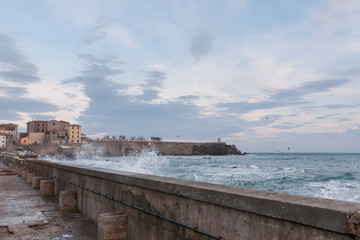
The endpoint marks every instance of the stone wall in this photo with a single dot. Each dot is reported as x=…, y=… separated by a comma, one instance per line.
x=225, y=212
x=117, y=148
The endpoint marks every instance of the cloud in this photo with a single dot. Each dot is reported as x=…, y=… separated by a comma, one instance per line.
x=288, y=97
x=112, y=110
x=16, y=69
x=354, y=72
x=200, y=45
x=338, y=17
x=12, y=92
x=14, y=66
x=97, y=32
x=10, y=108
x=306, y=88
x=152, y=85
x=327, y=116
x=187, y=98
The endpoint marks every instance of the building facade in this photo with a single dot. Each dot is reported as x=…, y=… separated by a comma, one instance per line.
x=74, y=133
x=12, y=129
x=6, y=140
x=56, y=132
x=52, y=132
x=37, y=126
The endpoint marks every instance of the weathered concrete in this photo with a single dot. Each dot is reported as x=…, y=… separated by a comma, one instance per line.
x=118, y=148
x=47, y=188
x=30, y=177
x=24, y=174
x=112, y=226
x=25, y=215
x=20, y=171
x=36, y=182
x=226, y=211
x=68, y=201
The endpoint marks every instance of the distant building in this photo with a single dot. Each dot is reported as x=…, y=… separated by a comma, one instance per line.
x=25, y=140
x=12, y=129
x=37, y=126
x=52, y=132
x=74, y=133
x=6, y=140
x=56, y=132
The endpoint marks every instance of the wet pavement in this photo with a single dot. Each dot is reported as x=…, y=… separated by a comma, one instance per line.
x=24, y=214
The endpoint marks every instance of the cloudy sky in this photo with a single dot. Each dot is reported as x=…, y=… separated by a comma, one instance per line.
x=260, y=74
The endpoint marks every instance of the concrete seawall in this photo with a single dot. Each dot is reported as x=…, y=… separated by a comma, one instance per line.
x=224, y=212
x=121, y=148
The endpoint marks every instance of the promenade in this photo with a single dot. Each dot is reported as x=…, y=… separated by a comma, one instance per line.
x=24, y=214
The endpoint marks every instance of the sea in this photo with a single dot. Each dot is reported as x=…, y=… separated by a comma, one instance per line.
x=325, y=175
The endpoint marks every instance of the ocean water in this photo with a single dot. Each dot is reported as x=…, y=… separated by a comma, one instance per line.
x=326, y=175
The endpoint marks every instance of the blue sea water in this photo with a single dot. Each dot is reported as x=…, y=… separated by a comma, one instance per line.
x=326, y=175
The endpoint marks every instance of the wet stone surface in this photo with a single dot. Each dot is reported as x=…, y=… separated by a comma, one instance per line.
x=24, y=214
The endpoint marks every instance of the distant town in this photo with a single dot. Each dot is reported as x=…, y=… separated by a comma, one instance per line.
x=41, y=132
x=54, y=132
x=62, y=137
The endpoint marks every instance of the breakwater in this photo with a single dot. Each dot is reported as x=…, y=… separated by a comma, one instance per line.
x=222, y=212
x=123, y=148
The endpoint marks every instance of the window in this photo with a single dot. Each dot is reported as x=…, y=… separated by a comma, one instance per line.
x=77, y=140
x=38, y=124
x=72, y=127
x=72, y=136
x=53, y=123
x=78, y=132
x=72, y=132
x=78, y=128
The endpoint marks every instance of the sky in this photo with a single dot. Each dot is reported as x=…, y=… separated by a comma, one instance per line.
x=263, y=75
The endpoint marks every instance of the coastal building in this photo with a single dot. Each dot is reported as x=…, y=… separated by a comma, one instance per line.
x=56, y=132
x=51, y=132
x=6, y=140
x=25, y=140
x=74, y=133
x=37, y=126
x=12, y=129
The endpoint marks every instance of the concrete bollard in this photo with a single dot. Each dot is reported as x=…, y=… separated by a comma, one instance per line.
x=24, y=174
x=68, y=201
x=36, y=182
x=47, y=188
x=20, y=171
x=112, y=226
x=30, y=177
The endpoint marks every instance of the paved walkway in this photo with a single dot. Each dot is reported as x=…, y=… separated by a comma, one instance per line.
x=24, y=214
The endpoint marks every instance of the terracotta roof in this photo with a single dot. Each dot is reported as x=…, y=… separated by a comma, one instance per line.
x=8, y=125
x=5, y=134
x=7, y=128
x=37, y=121
x=75, y=125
